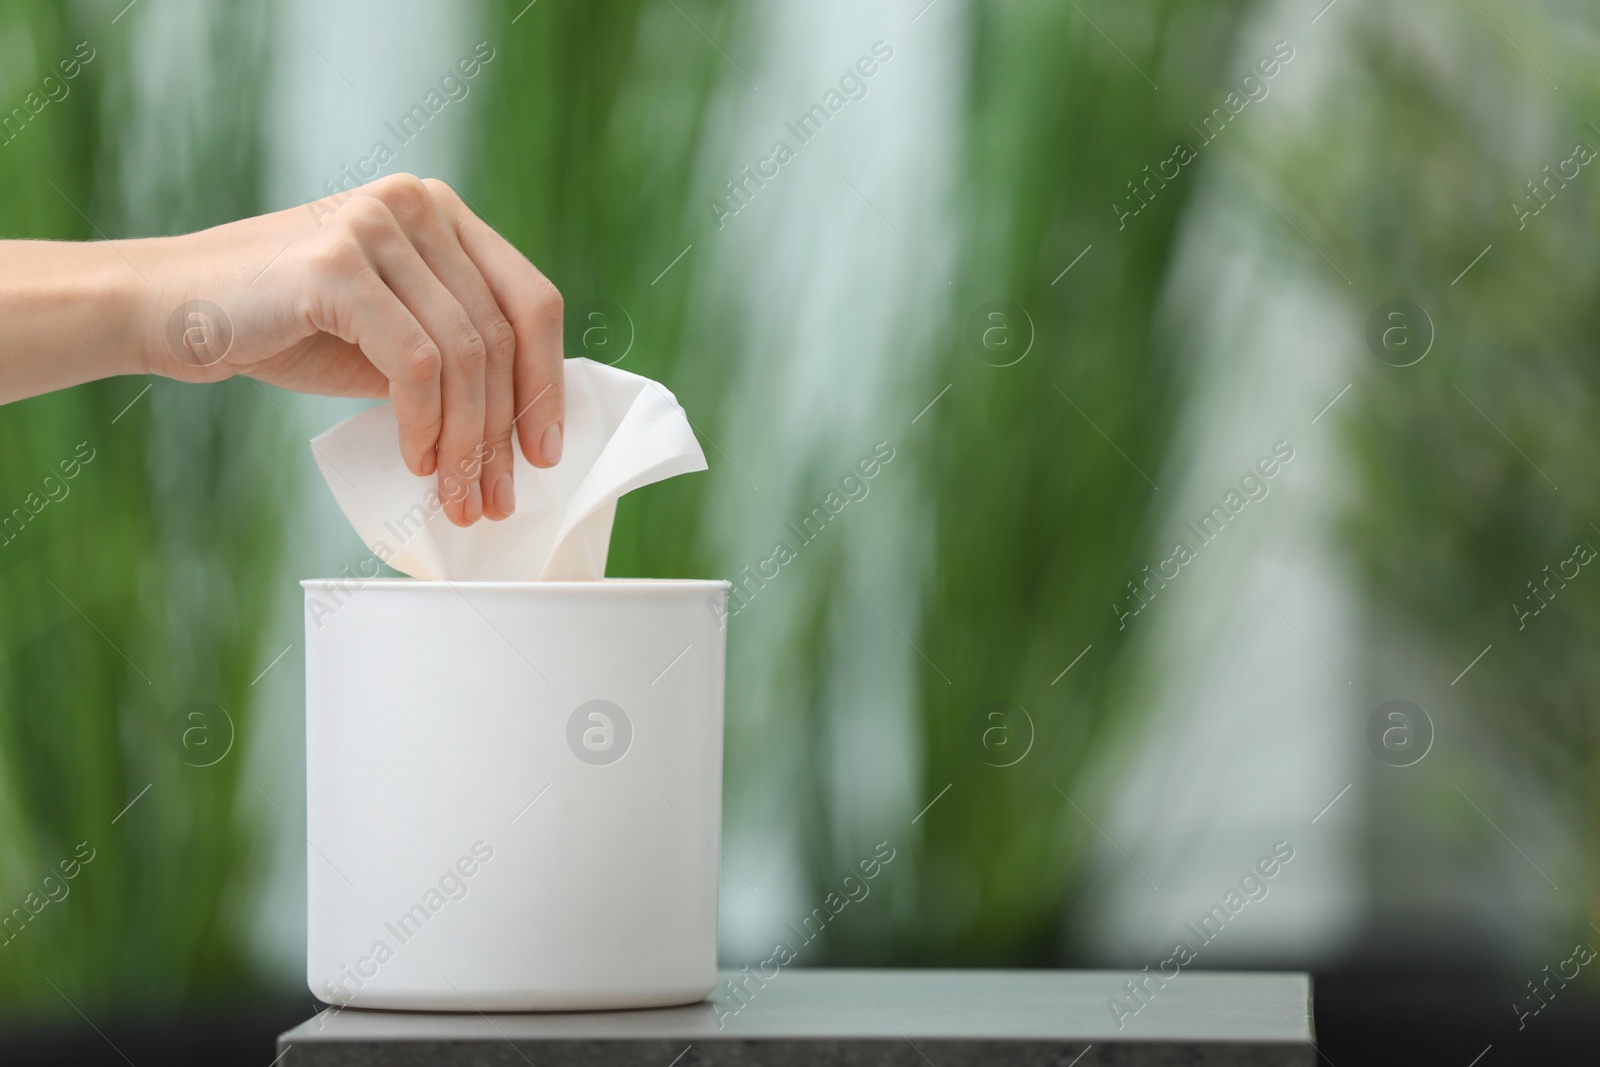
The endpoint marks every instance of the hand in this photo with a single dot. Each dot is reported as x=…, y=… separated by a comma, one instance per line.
x=393, y=289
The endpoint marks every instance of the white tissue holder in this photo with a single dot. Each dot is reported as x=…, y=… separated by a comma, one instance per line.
x=513, y=793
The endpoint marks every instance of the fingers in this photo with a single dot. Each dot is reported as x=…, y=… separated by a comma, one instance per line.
x=436, y=241
x=352, y=303
x=461, y=381
x=458, y=364
x=533, y=307
x=466, y=330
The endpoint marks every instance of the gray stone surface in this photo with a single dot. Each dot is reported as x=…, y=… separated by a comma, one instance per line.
x=943, y=1018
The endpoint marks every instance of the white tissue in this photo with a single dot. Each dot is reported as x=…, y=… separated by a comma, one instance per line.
x=620, y=431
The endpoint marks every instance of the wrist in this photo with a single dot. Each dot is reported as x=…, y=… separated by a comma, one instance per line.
x=178, y=332
x=117, y=293
x=150, y=303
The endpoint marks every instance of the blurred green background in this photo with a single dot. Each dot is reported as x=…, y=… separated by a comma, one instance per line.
x=996, y=260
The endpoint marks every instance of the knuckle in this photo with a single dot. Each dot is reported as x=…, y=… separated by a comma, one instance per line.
x=338, y=257
x=501, y=339
x=470, y=350
x=547, y=299
x=402, y=192
x=441, y=189
x=421, y=433
x=497, y=447
x=423, y=364
x=367, y=218
x=552, y=399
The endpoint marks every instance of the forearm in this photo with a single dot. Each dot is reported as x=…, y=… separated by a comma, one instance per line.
x=69, y=313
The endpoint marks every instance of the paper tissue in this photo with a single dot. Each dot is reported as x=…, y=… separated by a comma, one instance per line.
x=513, y=767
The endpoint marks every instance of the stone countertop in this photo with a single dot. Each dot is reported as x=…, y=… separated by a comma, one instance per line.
x=914, y=1017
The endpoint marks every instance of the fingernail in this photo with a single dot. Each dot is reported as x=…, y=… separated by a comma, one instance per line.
x=474, y=503
x=505, y=494
x=550, y=445
x=430, y=462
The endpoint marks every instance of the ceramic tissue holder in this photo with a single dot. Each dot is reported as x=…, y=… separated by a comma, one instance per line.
x=514, y=787
x=513, y=793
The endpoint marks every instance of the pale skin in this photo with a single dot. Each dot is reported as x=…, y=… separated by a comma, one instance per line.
x=394, y=290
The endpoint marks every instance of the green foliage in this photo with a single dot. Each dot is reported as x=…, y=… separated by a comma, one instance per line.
x=1413, y=174
x=146, y=585
x=1041, y=519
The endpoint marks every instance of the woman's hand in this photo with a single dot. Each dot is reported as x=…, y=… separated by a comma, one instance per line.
x=393, y=289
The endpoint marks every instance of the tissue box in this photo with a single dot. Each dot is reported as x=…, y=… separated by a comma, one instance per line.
x=513, y=793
